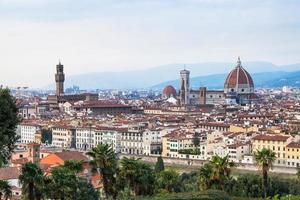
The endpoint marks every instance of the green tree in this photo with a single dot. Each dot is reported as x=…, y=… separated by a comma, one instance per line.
x=196, y=142
x=221, y=169
x=137, y=175
x=73, y=165
x=264, y=160
x=8, y=123
x=105, y=163
x=63, y=184
x=159, y=166
x=85, y=191
x=32, y=181
x=46, y=136
x=187, y=182
x=205, y=177
x=5, y=189
x=167, y=179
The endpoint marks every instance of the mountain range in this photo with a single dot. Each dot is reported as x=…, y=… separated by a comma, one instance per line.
x=261, y=80
x=210, y=74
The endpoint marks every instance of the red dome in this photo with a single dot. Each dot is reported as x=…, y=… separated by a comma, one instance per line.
x=169, y=91
x=238, y=78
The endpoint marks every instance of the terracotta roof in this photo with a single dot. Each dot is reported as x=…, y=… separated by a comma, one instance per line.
x=214, y=124
x=20, y=161
x=8, y=173
x=271, y=137
x=238, y=76
x=293, y=145
x=169, y=90
x=101, y=104
x=71, y=155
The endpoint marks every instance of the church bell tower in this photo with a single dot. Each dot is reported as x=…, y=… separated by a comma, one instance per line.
x=184, y=87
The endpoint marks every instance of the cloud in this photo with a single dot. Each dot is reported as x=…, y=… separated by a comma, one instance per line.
x=114, y=35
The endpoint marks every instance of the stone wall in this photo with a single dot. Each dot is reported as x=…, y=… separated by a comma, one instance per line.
x=190, y=162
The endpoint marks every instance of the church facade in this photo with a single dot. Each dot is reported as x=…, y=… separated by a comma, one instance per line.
x=238, y=89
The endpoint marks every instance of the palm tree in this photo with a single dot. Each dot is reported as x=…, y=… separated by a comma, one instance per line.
x=5, y=189
x=205, y=176
x=32, y=180
x=105, y=163
x=128, y=170
x=264, y=160
x=221, y=169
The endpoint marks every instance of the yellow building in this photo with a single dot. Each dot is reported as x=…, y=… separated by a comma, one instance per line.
x=293, y=154
x=242, y=129
x=277, y=143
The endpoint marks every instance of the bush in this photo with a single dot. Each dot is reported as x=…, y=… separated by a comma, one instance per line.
x=207, y=195
x=250, y=185
x=190, y=151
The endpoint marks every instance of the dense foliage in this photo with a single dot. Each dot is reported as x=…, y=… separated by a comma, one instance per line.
x=137, y=176
x=63, y=183
x=207, y=195
x=195, y=151
x=8, y=123
x=5, y=189
x=133, y=179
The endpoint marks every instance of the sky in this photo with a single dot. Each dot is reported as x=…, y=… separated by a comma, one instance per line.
x=120, y=35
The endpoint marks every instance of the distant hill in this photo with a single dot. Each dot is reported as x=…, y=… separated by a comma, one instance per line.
x=263, y=79
x=213, y=71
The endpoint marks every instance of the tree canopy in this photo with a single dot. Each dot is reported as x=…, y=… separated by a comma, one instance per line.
x=8, y=123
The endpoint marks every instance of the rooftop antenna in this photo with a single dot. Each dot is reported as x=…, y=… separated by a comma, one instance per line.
x=184, y=66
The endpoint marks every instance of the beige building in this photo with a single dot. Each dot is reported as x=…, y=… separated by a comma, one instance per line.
x=63, y=136
x=277, y=143
x=174, y=144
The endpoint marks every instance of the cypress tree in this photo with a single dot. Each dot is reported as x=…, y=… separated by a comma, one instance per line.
x=159, y=166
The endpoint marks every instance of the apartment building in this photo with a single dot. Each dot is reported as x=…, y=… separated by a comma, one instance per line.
x=85, y=137
x=277, y=143
x=27, y=132
x=63, y=136
x=132, y=140
x=110, y=136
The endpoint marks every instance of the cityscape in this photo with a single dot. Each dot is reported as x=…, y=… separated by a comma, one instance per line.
x=231, y=133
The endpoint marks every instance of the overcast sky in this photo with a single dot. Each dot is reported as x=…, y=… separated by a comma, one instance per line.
x=117, y=35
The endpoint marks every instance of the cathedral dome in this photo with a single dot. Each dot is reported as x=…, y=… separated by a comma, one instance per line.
x=239, y=81
x=169, y=91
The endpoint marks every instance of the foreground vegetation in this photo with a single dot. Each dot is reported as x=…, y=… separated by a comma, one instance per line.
x=134, y=179
x=131, y=178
